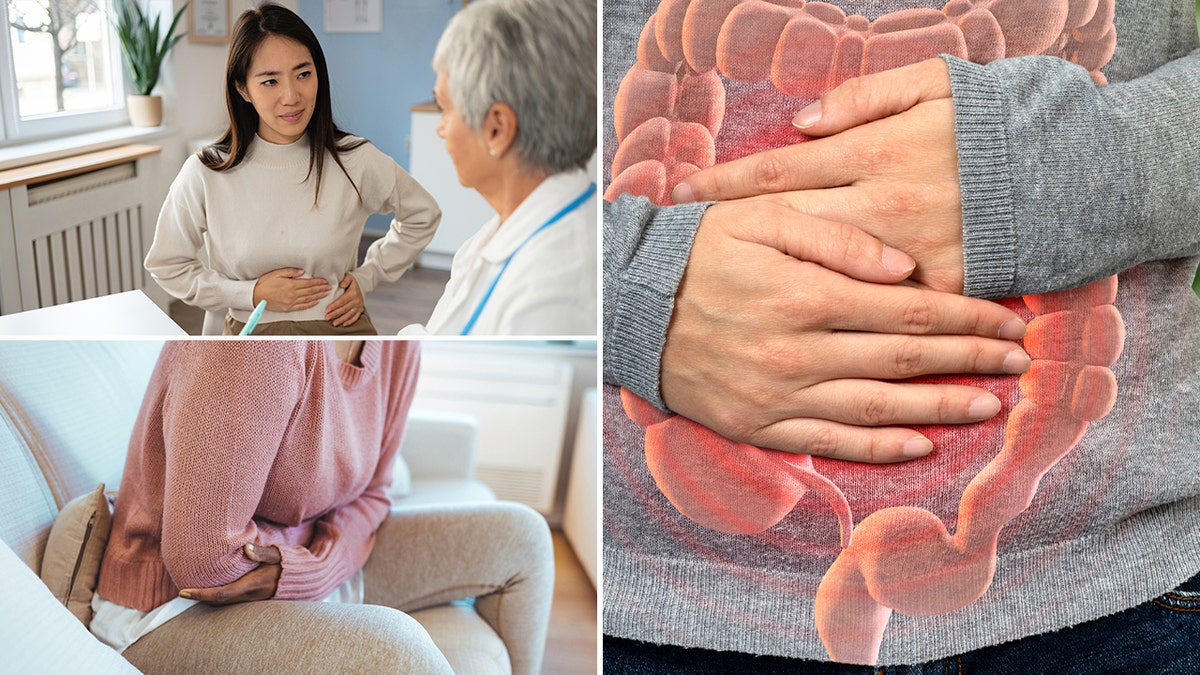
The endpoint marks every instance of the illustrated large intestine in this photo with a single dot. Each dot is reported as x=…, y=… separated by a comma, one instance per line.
x=668, y=114
x=670, y=107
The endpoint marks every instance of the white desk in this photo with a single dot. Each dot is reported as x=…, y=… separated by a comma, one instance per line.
x=126, y=314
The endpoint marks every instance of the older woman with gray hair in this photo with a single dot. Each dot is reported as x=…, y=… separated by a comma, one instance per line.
x=516, y=84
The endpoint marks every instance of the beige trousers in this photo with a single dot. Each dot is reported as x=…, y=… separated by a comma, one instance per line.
x=499, y=553
x=362, y=326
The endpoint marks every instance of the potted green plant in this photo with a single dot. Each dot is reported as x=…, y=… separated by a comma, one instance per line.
x=143, y=48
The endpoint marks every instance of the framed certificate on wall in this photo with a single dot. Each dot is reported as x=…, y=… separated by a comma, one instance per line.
x=210, y=21
x=353, y=16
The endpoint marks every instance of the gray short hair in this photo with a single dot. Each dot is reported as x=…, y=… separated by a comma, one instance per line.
x=537, y=56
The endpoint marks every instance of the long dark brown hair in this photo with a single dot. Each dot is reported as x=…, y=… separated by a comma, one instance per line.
x=254, y=26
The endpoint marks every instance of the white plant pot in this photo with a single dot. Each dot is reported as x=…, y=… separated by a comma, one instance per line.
x=145, y=111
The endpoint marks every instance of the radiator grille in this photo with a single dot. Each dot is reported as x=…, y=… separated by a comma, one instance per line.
x=92, y=180
x=99, y=256
x=78, y=237
x=525, y=485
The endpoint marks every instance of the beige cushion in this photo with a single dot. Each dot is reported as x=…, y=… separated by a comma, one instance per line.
x=426, y=492
x=401, y=479
x=440, y=445
x=467, y=641
x=71, y=563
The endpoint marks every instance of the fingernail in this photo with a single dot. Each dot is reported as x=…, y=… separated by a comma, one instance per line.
x=984, y=407
x=1016, y=361
x=917, y=446
x=897, y=261
x=1013, y=329
x=682, y=194
x=185, y=595
x=250, y=548
x=808, y=116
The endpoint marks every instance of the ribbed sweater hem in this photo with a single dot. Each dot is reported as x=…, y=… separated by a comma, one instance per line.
x=141, y=585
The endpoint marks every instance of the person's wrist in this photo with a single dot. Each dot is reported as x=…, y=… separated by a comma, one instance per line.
x=256, y=296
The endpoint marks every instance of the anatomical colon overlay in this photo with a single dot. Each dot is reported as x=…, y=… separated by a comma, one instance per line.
x=670, y=107
x=904, y=558
x=668, y=113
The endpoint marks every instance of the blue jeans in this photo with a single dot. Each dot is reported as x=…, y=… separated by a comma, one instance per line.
x=1159, y=636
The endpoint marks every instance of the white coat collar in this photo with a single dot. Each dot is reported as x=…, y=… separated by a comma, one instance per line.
x=547, y=199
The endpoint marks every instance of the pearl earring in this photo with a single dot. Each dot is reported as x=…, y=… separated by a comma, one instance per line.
x=493, y=153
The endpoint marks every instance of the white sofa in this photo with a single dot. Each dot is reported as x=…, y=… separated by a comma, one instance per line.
x=66, y=412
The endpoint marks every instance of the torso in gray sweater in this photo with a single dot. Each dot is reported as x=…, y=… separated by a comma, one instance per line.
x=1077, y=501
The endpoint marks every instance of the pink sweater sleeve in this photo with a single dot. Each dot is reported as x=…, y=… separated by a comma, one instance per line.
x=342, y=540
x=224, y=415
x=344, y=537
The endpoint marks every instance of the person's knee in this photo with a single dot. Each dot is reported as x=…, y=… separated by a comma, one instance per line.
x=525, y=538
x=325, y=636
x=388, y=640
x=522, y=521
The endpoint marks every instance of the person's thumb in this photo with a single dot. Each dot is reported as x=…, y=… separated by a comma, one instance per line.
x=264, y=554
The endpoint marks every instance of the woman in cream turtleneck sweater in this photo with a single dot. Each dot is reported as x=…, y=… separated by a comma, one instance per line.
x=273, y=223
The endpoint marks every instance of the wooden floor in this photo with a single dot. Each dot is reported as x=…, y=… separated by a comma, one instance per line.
x=391, y=306
x=409, y=300
x=572, y=639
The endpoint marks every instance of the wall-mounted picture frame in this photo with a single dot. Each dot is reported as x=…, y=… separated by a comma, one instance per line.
x=210, y=21
x=353, y=16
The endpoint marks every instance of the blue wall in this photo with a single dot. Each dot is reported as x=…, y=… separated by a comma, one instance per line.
x=375, y=77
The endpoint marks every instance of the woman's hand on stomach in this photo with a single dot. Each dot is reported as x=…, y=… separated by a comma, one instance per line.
x=258, y=584
x=285, y=290
x=349, y=307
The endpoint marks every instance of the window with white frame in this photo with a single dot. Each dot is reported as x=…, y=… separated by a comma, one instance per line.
x=61, y=69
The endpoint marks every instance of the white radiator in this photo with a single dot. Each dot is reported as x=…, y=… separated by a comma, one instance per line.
x=521, y=404
x=77, y=237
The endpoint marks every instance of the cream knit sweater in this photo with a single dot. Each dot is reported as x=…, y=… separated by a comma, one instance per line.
x=259, y=216
x=264, y=442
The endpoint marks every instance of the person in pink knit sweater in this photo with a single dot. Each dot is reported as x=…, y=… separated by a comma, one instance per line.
x=261, y=470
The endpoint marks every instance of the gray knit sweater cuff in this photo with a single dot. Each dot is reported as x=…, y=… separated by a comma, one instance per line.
x=989, y=239
x=646, y=249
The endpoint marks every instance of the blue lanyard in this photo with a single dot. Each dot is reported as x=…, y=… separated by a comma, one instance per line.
x=591, y=190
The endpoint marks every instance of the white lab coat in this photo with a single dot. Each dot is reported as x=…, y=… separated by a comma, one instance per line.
x=549, y=288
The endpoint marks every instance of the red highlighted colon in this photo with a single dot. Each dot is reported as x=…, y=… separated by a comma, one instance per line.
x=669, y=112
x=805, y=49
x=720, y=483
x=904, y=558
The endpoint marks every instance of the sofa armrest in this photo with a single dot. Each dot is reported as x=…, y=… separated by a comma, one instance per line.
x=440, y=445
x=39, y=635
